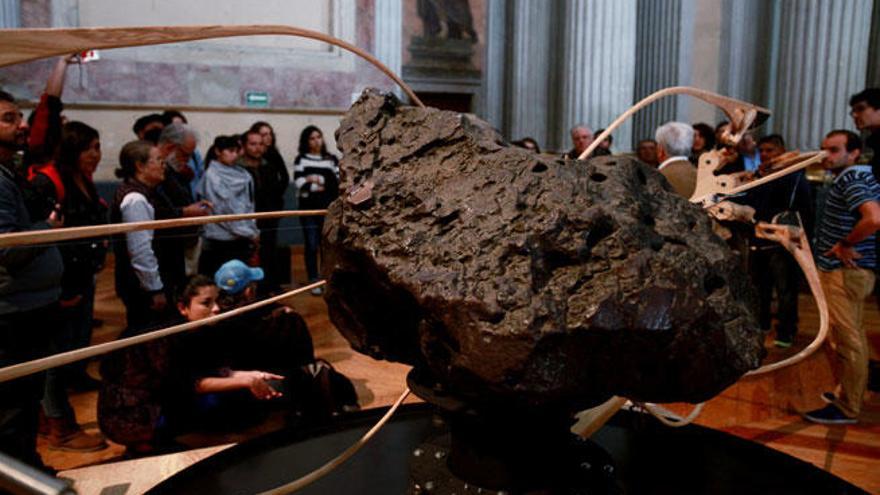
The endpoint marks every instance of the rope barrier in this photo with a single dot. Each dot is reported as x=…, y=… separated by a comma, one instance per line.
x=341, y=458
x=32, y=237
x=42, y=364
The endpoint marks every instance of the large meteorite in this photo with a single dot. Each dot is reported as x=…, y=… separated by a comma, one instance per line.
x=520, y=279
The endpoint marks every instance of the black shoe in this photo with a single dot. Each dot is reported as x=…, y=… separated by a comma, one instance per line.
x=829, y=415
x=828, y=397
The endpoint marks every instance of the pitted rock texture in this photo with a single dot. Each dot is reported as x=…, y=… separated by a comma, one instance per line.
x=521, y=279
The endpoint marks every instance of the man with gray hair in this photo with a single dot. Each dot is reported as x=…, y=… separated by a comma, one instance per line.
x=178, y=249
x=674, y=142
x=178, y=143
x=581, y=138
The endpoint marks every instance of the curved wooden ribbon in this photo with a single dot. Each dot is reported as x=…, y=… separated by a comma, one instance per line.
x=25, y=45
x=32, y=237
x=794, y=240
x=337, y=461
x=37, y=365
x=671, y=419
x=741, y=114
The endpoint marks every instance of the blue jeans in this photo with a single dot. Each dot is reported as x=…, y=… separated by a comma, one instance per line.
x=312, y=227
x=75, y=332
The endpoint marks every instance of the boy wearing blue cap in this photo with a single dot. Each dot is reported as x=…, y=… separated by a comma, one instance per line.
x=277, y=339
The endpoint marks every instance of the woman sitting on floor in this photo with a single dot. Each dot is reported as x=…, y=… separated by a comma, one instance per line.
x=151, y=392
x=224, y=376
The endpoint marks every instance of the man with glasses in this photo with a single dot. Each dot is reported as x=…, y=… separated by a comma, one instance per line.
x=30, y=281
x=845, y=256
x=865, y=112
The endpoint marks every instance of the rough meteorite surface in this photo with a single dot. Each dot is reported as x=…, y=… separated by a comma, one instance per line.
x=522, y=279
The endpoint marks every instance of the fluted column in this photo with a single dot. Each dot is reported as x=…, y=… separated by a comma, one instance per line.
x=495, y=63
x=657, y=62
x=597, y=73
x=9, y=14
x=874, y=61
x=747, y=51
x=530, y=69
x=823, y=56
x=388, y=36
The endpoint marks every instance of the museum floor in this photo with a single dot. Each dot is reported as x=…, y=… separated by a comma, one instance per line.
x=763, y=409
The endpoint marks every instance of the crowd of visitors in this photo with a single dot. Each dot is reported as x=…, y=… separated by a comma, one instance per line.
x=843, y=238
x=151, y=392
x=264, y=360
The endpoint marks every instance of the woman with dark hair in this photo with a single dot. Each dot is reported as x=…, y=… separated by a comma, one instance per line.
x=704, y=140
x=270, y=183
x=79, y=154
x=225, y=377
x=230, y=188
x=142, y=389
x=316, y=177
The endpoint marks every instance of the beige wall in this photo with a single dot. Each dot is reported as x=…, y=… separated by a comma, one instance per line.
x=115, y=128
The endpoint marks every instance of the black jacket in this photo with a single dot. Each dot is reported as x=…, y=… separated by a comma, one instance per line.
x=29, y=276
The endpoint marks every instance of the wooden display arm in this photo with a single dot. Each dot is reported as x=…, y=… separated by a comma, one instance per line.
x=711, y=186
x=741, y=114
x=732, y=212
x=590, y=421
x=794, y=240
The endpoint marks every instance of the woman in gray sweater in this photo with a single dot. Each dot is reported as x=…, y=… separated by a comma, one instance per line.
x=230, y=188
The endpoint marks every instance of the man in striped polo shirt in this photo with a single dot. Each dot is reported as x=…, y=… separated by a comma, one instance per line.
x=846, y=258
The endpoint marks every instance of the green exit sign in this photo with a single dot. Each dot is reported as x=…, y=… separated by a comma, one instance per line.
x=256, y=99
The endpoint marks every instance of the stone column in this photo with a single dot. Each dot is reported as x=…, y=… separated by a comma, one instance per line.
x=822, y=60
x=747, y=51
x=495, y=63
x=657, y=62
x=9, y=14
x=388, y=36
x=874, y=48
x=528, y=91
x=596, y=73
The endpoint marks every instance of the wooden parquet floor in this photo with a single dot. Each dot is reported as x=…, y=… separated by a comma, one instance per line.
x=763, y=409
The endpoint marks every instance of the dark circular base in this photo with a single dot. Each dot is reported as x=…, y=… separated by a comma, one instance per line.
x=408, y=456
